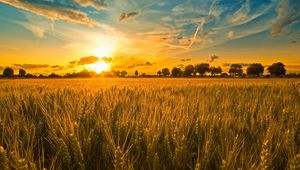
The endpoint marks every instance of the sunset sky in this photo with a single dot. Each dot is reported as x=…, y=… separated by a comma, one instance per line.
x=45, y=36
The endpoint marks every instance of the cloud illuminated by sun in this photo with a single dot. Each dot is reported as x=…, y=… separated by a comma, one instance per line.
x=99, y=67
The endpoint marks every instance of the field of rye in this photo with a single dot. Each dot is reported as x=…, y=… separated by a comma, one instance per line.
x=150, y=124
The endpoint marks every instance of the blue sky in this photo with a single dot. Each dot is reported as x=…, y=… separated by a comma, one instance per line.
x=162, y=33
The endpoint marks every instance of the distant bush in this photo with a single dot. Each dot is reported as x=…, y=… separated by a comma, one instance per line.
x=53, y=75
x=292, y=75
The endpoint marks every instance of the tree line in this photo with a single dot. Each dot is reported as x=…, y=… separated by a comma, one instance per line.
x=235, y=70
x=198, y=70
x=9, y=72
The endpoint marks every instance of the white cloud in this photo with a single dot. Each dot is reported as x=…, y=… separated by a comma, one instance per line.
x=52, y=10
x=288, y=13
x=36, y=30
x=167, y=18
x=94, y=3
x=242, y=14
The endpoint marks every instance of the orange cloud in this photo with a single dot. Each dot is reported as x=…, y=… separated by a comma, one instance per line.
x=31, y=66
x=230, y=34
x=88, y=60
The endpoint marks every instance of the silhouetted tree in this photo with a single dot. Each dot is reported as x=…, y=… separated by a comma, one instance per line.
x=215, y=70
x=202, y=68
x=42, y=76
x=136, y=73
x=53, y=75
x=124, y=73
x=8, y=72
x=277, y=69
x=159, y=73
x=22, y=72
x=236, y=70
x=114, y=73
x=176, y=72
x=28, y=75
x=255, y=69
x=189, y=70
x=224, y=75
x=165, y=72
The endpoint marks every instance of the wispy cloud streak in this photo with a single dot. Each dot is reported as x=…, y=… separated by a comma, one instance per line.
x=52, y=10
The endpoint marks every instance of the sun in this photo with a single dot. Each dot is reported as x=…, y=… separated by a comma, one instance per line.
x=99, y=67
x=105, y=51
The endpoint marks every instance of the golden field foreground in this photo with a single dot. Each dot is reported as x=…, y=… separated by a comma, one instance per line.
x=150, y=124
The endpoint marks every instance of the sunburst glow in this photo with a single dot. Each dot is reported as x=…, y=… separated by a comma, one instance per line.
x=99, y=67
x=105, y=51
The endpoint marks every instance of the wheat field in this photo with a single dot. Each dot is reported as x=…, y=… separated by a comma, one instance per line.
x=150, y=124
